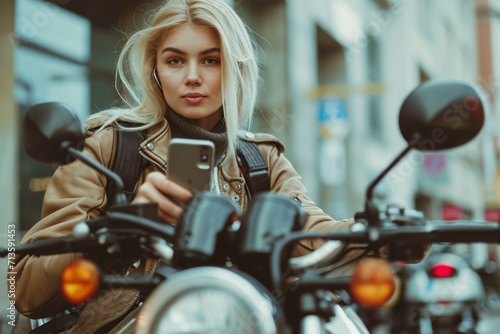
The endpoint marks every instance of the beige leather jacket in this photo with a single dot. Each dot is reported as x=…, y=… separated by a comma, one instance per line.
x=77, y=193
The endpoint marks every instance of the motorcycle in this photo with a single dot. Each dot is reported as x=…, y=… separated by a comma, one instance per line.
x=221, y=260
x=243, y=262
x=441, y=294
x=489, y=272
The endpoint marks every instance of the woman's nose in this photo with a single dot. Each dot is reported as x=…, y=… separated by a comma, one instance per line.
x=193, y=75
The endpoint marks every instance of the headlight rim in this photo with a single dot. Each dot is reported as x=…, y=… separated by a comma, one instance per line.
x=244, y=287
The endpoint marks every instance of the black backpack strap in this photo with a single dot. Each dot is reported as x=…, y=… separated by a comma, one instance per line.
x=254, y=167
x=128, y=161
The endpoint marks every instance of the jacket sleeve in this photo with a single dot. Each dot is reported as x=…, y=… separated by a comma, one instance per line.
x=284, y=179
x=76, y=193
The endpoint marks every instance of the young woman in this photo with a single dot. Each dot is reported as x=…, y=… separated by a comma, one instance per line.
x=192, y=72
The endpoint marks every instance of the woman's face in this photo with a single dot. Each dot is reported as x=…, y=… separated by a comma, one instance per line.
x=189, y=69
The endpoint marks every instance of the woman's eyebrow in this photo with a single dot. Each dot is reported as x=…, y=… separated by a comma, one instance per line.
x=209, y=51
x=169, y=48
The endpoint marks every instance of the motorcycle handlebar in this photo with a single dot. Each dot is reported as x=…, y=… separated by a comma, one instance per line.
x=439, y=231
x=52, y=246
x=161, y=230
x=70, y=244
x=431, y=232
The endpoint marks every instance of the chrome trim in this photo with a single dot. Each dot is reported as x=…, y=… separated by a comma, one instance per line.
x=209, y=278
x=319, y=257
x=312, y=324
x=164, y=250
x=345, y=323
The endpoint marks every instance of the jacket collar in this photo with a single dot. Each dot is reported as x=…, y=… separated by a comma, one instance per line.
x=155, y=149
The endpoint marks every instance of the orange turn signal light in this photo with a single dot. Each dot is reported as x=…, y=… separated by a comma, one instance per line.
x=80, y=281
x=373, y=282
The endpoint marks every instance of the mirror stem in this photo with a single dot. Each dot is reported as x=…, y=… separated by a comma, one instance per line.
x=371, y=187
x=120, y=196
x=371, y=213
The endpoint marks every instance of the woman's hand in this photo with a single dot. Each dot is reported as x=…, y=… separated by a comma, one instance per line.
x=170, y=196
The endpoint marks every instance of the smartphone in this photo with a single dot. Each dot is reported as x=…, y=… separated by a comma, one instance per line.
x=191, y=163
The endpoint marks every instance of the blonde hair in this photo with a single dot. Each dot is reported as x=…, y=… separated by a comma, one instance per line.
x=143, y=97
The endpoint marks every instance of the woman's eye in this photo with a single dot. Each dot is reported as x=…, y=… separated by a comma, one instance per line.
x=212, y=61
x=174, y=61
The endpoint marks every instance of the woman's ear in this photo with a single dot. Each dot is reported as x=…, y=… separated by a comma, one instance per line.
x=155, y=75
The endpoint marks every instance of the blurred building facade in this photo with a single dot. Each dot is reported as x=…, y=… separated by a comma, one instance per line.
x=335, y=73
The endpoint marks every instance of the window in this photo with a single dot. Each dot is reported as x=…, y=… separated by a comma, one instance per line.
x=54, y=46
x=50, y=64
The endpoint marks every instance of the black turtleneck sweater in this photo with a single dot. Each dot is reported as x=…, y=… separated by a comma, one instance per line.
x=181, y=127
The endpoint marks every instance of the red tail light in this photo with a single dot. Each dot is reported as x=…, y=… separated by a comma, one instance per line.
x=442, y=270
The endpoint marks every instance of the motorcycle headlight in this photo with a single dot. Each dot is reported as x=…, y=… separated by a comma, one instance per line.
x=210, y=300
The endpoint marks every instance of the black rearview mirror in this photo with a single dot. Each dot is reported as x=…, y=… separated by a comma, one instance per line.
x=435, y=116
x=438, y=116
x=49, y=129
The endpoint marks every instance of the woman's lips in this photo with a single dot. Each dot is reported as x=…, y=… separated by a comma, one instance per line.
x=193, y=98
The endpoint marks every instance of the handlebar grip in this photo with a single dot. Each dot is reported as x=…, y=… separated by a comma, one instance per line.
x=466, y=232
x=57, y=245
